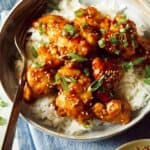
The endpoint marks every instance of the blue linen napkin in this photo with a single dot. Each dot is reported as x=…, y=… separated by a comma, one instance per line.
x=32, y=139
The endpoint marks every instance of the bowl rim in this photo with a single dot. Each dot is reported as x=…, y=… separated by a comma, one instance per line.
x=133, y=142
x=55, y=133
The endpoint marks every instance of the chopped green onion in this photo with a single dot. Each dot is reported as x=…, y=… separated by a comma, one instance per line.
x=2, y=121
x=113, y=40
x=2, y=103
x=127, y=27
x=122, y=19
x=86, y=71
x=70, y=29
x=84, y=25
x=138, y=61
x=69, y=79
x=103, y=31
x=40, y=28
x=111, y=94
x=101, y=43
x=64, y=81
x=147, y=71
x=117, y=52
x=134, y=43
x=125, y=44
x=79, y=13
x=64, y=85
x=128, y=65
x=76, y=57
x=34, y=52
x=57, y=78
x=37, y=65
x=122, y=30
x=147, y=81
x=96, y=84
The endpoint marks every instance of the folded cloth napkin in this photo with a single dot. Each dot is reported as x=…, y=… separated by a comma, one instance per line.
x=31, y=139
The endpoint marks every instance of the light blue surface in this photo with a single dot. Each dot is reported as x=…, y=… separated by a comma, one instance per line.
x=31, y=139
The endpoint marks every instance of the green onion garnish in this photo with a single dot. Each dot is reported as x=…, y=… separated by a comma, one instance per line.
x=125, y=44
x=2, y=103
x=122, y=19
x=86, y=71
x=70, y=29
x=79, y=13
x=101, y=43
x=64, y=81
x=96, y=84
x=37, y=65
x=76, y=57
x=128, y=65
x=103, y=31
x=117, y=52
x=34, y=52
x=2, y=121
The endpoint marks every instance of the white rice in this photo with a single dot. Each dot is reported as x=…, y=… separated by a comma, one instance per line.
x=131, y=85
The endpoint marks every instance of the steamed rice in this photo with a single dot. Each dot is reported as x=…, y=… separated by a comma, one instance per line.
x=131, y=87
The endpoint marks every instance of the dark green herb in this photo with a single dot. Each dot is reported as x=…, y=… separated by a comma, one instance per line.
x=34, y=52
x=2, y=103
x=70, y=29
x=2, y=121
x=96, y=84
x=86, y=71
x=147, y=81
x=79, y=13
x=76, y=57
x=147, y=72
x=117, y=52
x=101, y=43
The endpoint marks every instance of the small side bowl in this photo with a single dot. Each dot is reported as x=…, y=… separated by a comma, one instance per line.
x=135, y=145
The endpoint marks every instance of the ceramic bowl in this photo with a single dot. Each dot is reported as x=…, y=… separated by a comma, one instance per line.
x=8, y=55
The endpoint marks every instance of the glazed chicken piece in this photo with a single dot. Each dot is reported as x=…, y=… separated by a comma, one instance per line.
x=39, y=83
x=49, y=55
x=110, y=69
x=121, y=38
x=64, y=35
x=90, y=21
x=115, y=111
x=71, y=106
x=76, y=81
x=73, y=101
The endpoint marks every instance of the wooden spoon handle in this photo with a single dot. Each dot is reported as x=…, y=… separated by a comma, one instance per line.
x=8, y=140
